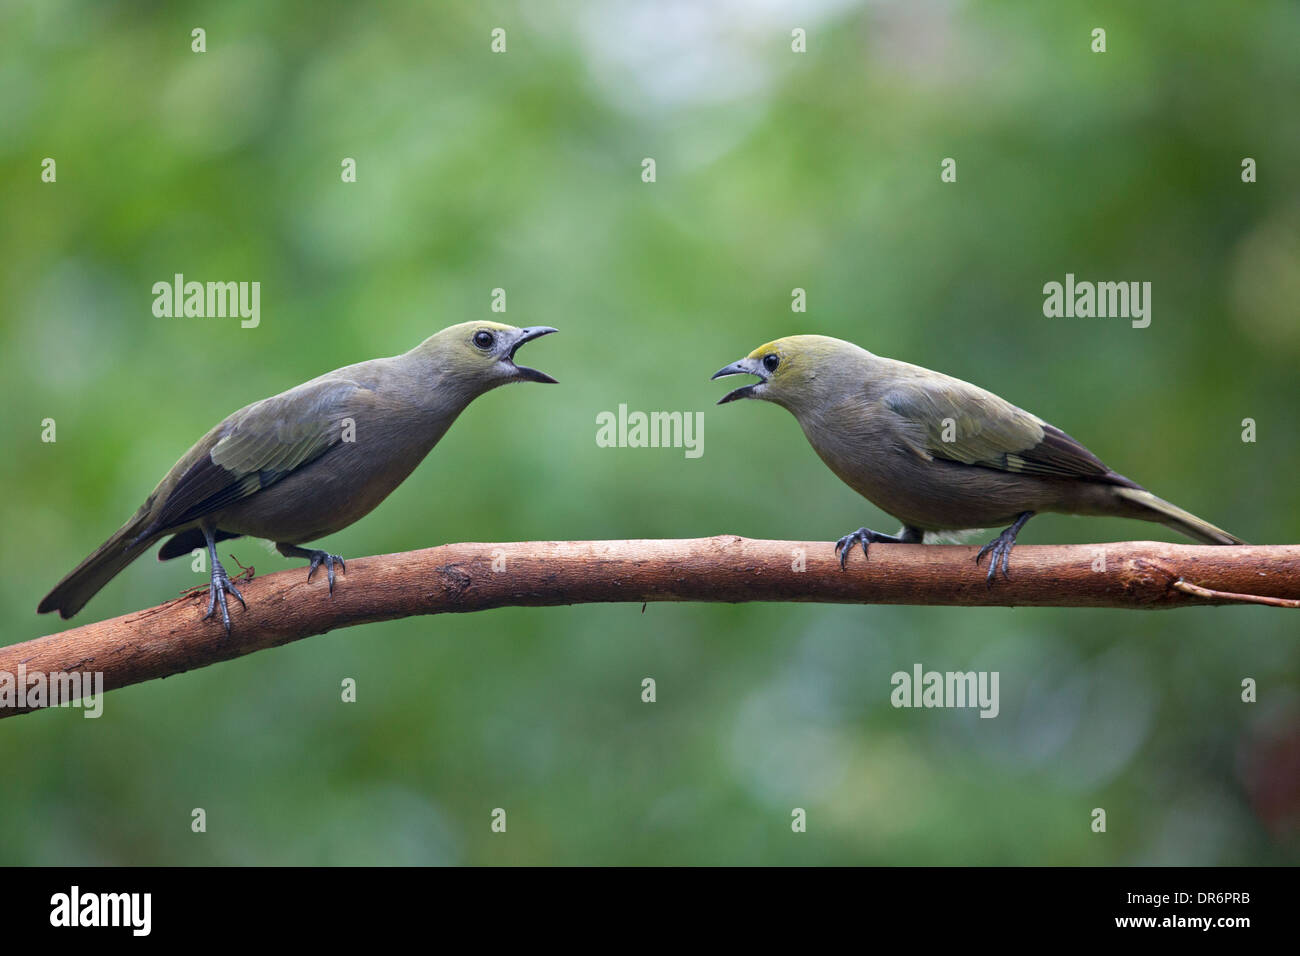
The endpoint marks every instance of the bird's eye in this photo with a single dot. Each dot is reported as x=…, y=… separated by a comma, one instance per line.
x=484, y=340
x=771, y=361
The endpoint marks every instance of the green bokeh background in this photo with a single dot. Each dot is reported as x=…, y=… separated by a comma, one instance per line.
x=775, y=170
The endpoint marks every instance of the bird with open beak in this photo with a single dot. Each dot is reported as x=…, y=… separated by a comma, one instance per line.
x=310, y=461
x=937, y=453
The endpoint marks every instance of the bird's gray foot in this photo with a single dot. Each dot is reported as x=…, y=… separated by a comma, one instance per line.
x=317, y=558
x=864, y=537
x=221, y=584
x=324, y=557
x=1001, y=547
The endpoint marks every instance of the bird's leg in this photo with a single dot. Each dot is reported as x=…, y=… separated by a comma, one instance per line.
x=219, y=585
x=1001, y=547
x=865, y=536
x=316, y=557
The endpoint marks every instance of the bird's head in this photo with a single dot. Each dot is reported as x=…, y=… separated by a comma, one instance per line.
x=481, y=355
x=792, y=371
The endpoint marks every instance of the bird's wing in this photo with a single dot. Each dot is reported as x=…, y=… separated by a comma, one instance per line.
x=957, y=421
x=261, y=444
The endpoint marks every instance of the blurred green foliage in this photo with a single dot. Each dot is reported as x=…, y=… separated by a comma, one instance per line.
x=775, y=170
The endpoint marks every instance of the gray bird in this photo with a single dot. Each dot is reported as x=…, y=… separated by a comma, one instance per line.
x=310, y=461
x=938, y=453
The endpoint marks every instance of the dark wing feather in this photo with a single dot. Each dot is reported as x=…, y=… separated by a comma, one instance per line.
x=954, y=420
x=260, y=445
x=1060, y=456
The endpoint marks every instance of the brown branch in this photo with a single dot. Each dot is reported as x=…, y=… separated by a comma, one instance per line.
x=284, y=606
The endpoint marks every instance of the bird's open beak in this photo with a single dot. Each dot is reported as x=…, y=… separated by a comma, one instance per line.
x=523, y=372
x=745, y=366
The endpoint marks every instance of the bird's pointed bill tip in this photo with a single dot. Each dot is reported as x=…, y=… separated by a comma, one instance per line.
x=744, y=391
x=533, y=375
x=742, y=367
x=732, y=369
x=523, y=372
x=532, y=332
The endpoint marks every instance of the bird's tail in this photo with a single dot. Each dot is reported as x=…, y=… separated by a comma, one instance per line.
x=1174, y=517
x=84, y=581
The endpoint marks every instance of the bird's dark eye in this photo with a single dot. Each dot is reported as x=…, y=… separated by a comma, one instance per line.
x=771, y=361
x=484, y=339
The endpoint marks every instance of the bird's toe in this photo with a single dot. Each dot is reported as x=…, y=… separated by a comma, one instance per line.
x=844, y=547
x=219, y=586
x=329, y=560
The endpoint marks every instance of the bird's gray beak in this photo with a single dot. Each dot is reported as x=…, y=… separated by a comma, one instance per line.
x=745, y=366
x=523, y=372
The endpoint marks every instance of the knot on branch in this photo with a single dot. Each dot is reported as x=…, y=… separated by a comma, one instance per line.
x=455, y=582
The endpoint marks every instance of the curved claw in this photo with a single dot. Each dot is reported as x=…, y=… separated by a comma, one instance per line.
x=1001, y=547
x=863, y=536
x=324, y=557
x=217, y=589
x=844, y=546
x=1000, y=553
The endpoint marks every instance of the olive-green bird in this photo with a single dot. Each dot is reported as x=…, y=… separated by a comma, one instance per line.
x=310, y=461
x=938, y=453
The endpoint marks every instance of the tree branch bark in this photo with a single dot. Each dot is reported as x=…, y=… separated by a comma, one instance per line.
x=283, y=607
